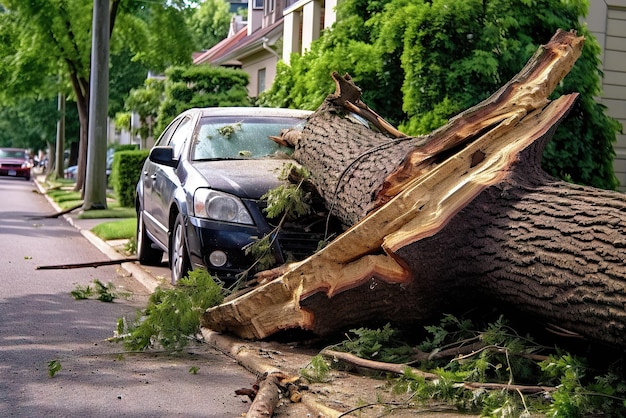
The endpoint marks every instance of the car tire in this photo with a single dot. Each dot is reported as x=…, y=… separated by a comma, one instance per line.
x=145, y=253
x=179, y=259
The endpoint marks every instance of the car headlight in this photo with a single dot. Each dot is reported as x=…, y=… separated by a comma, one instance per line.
x=220, y=206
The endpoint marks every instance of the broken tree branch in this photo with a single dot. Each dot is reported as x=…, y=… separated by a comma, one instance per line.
x=94, y=264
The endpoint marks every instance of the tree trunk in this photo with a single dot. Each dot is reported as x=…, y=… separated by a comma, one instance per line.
x=463, y=213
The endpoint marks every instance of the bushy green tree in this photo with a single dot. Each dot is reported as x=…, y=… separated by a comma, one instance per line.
x=349, y=47
x=420, y=62
x=209, y=23
x=201, y=86
x=145, y=102
x=45, y=47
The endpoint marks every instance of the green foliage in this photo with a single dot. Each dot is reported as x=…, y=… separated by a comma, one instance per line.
x=498, y=355
x=209, y=23
x=289, y=200
x=125, y=173
x=29, y=124
x=100, y=291
x=449, y=328
x=122, y=229
x=113, y=210
x=201, y=86
x=442, y=57
x=261, y=251
x=63, y=195
x=145, y=102
x=317, y=370
x=125, y=74
x=382, y=344
x=156, y=33
x=172, y=316
x=54, y=367
x=45, y=48
x=194, y=370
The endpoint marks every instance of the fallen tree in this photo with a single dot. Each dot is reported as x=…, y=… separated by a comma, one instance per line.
x=463, y=214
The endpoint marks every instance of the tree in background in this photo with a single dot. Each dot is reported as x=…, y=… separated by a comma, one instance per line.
x=125, y=74
x=201, y=86
x=209, y=23
x=30, y=124
x=145, y=102
x=45, y=47
x=441, y=57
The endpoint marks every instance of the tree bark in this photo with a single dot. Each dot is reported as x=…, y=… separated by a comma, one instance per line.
x=463, y=214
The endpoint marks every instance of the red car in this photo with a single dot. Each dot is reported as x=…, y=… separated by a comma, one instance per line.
x=15, y=162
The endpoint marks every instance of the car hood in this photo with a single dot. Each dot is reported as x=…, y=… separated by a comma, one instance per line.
x=12, y=161
x=243, y=178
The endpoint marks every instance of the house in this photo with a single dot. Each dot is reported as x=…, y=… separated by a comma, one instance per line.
x=275, y=29
x=278, y=28
x=607, y=21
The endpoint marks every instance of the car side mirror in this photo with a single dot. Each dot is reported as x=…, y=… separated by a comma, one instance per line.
x=163, y=155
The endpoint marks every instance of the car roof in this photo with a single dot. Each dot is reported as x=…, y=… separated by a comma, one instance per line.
x=251, y=111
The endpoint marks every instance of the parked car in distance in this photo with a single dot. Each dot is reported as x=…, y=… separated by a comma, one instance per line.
x=199, y=195
x=70, y=172
x=15, y=162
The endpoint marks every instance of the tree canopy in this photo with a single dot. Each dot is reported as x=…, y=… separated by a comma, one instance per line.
x=420, y=62
x=45, y=48
x=201, y=86
x=209, y=23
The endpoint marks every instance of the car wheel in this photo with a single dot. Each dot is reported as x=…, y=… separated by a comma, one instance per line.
x=179, y=260
x=145, y=253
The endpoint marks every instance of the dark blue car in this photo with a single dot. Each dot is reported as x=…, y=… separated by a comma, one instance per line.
x=199, y=195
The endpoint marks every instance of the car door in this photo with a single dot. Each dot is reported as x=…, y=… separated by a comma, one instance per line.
x=164, y=180
x=147, y=186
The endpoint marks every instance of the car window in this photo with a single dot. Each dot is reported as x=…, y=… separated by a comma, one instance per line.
x=5, y=153
x=180, y=136
x=228, y=138
x=164, y=139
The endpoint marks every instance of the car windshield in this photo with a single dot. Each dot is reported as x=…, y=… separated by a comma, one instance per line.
x=241, y=138
x=5, y=153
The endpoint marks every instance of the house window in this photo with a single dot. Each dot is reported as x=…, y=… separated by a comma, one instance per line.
x=258, y=4
x=261, y=81
x=269, y=6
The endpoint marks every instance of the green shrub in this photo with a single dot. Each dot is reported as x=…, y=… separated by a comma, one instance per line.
x=201, y=86
x=125, y=174
x=172, y=317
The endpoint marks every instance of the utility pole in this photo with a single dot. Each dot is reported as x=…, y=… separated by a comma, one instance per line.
x=59, y=156
x=95, y=178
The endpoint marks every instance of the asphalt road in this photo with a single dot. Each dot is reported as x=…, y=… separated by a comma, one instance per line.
x=41, y=322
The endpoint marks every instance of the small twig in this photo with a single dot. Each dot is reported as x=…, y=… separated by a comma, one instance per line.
x=508, y=387
x=450, y=352
x=498, y=349
x=88, y=264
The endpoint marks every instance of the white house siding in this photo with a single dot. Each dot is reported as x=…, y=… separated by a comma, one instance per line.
x=607, y=21
x=253, y=63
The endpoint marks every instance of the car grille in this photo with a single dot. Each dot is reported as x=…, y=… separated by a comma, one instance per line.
x=298, y=245
x=298, y=240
